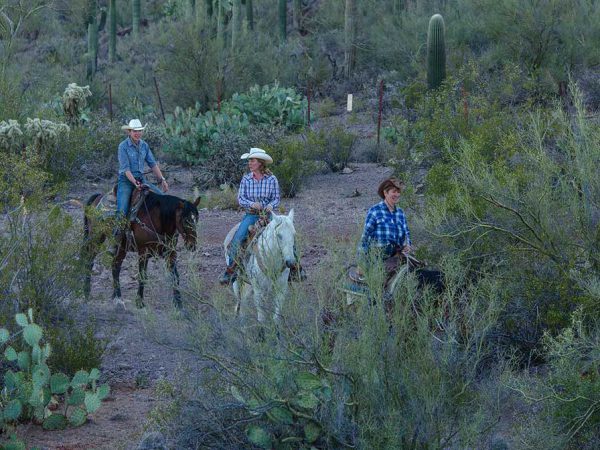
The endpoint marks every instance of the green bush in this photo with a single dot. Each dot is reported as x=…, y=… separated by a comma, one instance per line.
x=334, y=147
x=291, y=165
x=566, y=399
x=74, y=349
x=29, y=390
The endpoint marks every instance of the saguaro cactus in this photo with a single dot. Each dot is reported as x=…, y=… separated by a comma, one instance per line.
x=349, y=37
x=136, y=13
x=236, y=13
x=283, y=19
x=436, y=52
x=112, y=30
x=250, y=14
x=92, y=33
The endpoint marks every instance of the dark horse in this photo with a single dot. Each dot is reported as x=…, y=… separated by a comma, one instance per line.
x=160, y=220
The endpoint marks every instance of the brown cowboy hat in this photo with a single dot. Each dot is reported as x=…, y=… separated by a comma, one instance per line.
x=389, y=183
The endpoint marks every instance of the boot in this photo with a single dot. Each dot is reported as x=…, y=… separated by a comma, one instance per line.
x=229, y=276
x=297, y=273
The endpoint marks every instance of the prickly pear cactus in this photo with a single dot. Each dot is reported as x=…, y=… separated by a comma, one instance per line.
x=436, y=52
x=30, y=388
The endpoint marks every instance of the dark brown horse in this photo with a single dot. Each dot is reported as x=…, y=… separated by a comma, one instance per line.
x=160, y=220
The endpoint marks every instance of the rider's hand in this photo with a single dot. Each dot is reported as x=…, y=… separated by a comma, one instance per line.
x=407, y=249
x=256, y=206
x=164, y=185
x=138, y=184
x=269, y=208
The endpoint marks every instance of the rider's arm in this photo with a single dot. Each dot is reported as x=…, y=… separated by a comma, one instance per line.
x=275, y=195
x=243, y=194
x=158, y=174
x=405, y=231
x=368, y=233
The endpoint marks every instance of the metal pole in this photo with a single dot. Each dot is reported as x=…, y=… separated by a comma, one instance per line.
x=308, y=97
x=380, y=111
x=162, y=111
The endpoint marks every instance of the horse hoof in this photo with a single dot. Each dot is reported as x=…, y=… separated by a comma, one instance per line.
x=119, y=303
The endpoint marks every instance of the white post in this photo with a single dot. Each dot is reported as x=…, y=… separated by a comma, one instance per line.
x=349, y=105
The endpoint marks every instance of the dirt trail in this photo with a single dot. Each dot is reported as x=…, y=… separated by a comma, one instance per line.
x=327, y=206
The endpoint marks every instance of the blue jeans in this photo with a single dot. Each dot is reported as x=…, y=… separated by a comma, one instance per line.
x=124, y=190
x=240, y=235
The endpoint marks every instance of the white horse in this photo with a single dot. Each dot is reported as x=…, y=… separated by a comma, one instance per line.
x=266, y=265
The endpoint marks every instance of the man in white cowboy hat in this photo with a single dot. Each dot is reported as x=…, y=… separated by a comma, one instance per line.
x=133, y=153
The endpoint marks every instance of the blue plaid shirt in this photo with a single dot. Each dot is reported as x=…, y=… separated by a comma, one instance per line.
x=132, y=157
x=384, y=228
x=265, y=191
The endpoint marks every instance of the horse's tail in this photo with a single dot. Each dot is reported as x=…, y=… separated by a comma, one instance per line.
x=86, y=219
x=88, y=250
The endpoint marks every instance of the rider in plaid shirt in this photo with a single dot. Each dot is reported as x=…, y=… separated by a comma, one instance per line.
x=264, y=191
x=385, y=225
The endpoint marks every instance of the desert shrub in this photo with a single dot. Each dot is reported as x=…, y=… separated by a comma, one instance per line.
x=565, y=399
x=515, y=211
x=291, y=165
x=39, y=268
x=31, y=387
x=325, y=107
x=223, y=198
x=365, y=378
x=74, y=100
x=224, y=165
x=74, y=348
x=334, y=147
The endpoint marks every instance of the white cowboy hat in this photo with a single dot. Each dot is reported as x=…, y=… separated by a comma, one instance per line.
x=257, y=153
x=135, y=125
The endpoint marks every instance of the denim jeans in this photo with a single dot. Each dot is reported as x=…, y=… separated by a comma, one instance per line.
x=124, y=190
x=240, y=235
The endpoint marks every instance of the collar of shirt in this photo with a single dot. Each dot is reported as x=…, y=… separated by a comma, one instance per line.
x=131, y=144
x=250, y=176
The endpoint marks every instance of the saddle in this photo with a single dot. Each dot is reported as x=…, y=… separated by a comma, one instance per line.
x=254, y=232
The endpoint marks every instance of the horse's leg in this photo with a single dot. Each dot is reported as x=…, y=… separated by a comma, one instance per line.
x=143, y=270
x=258, y=299
x=116, y=273
x=89, y=250
x=281, y=287
x=172, y=265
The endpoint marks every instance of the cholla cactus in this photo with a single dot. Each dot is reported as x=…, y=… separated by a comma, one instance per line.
x=10, y=135
x=74, y=100
x=44, y=135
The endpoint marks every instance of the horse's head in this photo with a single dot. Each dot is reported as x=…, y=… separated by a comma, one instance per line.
x=187, y=218
x=284, y=234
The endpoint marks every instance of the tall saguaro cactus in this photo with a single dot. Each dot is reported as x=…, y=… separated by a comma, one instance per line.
x=236, y=14
x=112, y=30
x=436, y=52
x=250, y=14
x=92, y=36
x=283, y=20
x=349, y=37
x=136, y=10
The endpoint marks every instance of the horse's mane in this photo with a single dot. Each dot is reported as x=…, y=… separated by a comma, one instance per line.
x=167, y=205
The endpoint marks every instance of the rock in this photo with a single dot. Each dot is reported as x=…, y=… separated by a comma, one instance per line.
x=347, y=170
x=153, y=441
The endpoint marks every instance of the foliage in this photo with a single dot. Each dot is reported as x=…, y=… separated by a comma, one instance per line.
x=75, y=349
x=528, y=212
x=223, y=198
x=567, y=397
x=331, y=377
x=38, y=266
x=190, y=131
x=292, y=164
x=29, y=390
x=334, y=147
